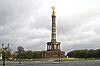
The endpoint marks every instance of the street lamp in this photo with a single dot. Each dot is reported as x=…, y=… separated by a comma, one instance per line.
x=60, y=57
x=3, y=54
x=4, y=51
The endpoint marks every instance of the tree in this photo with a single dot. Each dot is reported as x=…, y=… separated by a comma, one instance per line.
x=36, y=54
x=97, y=53
x=20, y=53
x=84, y=53
x=28, y=54
x=13, y=56
x=7, y=53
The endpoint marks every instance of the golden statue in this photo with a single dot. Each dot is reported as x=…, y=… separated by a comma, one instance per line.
x=53, y=11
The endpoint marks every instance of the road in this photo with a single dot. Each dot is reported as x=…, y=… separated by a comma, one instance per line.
x=46, y=63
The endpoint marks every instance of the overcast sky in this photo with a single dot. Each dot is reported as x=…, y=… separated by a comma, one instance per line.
x=28, y=23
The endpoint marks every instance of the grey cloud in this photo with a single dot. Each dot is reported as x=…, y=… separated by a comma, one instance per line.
x=69, y=23
x=92, y=45
x=15, y=17
x=42, y=22
x=22, y=22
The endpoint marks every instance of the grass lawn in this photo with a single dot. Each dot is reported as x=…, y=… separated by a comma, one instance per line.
x=81, y=59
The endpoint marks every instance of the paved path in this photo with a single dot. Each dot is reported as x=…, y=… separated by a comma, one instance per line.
x=39, y=63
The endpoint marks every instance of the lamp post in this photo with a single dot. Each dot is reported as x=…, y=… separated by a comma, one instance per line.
x=20, y=52
x=5, y=49
x=20, y=58
x=60, y=57
x=3, y=54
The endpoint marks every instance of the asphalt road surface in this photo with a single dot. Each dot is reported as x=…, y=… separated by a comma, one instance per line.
x=46, y=63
